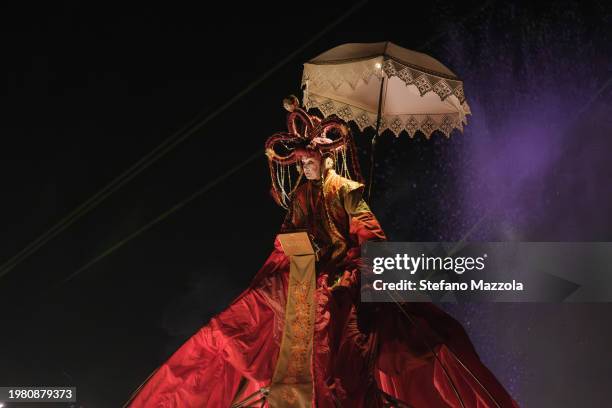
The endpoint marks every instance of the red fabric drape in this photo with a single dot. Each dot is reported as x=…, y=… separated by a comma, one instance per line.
x=417, y=354
x=243, y=342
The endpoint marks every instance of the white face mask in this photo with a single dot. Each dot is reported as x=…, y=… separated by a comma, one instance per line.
x=311, y=166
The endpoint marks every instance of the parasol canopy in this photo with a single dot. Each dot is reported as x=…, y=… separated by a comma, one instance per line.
x=385, y=86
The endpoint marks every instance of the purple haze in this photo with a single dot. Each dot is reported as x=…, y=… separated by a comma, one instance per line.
x=534, y=165
x=539, y=90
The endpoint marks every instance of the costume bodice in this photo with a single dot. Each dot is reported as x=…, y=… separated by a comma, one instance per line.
x=334, y=213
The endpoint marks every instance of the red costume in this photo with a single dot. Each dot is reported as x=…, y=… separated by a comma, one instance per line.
x=353, y=354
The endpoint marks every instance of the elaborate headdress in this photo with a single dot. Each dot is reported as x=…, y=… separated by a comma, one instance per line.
x=308, y=134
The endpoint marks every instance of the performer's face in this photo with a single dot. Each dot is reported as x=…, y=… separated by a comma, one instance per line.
x=312, y=167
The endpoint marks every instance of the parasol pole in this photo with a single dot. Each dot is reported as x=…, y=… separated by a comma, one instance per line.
x=378, y=120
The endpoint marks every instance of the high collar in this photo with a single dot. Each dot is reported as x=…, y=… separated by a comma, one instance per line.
x=318, y=182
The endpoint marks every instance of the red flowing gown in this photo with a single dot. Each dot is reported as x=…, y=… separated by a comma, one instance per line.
x=360, y=352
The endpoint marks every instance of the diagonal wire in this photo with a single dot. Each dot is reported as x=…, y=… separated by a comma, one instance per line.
x=164, y=215
x=199, y=193
x=165, y=147
x=206, y=188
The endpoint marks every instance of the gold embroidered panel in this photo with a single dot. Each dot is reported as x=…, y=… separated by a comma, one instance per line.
x=292, y=384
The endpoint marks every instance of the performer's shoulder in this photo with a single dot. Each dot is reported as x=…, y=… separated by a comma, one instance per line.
x=349, y=185
x=345, y=185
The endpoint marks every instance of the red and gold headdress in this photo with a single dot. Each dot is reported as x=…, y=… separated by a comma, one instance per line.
x=308, y=134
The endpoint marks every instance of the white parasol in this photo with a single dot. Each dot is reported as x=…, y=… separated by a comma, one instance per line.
x=406, y=89
x=386, y=87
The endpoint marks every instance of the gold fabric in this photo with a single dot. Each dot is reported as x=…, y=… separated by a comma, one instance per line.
x=292, y=381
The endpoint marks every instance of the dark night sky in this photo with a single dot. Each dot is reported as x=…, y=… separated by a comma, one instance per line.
x=91, y=88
